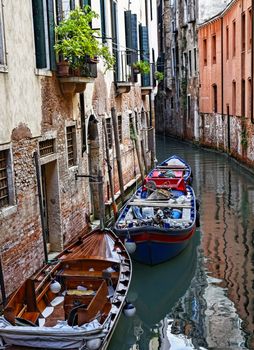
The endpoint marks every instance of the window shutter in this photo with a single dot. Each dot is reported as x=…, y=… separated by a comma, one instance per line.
x=39, y=34
x=72, y=5
x=131, y=37
x=144, y=52
x=114, y=39
x=103, y=25
x=51, y=33
x=134, y=37
x=127, y=17
x=59, y=11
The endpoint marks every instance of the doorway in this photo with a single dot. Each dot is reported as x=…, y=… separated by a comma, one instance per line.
x=93, y=164
x=51, y=206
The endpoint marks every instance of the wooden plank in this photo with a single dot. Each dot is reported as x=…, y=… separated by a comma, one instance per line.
x=141, y=203
x=96, y=274
x=173, y=167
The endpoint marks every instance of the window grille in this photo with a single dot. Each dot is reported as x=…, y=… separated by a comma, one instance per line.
x=46, y=147
x=109, y=132
x=70, y=135
x=4, y=193
x=120, y=129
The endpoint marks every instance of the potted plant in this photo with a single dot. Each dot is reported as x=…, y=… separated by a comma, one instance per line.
x=142, y=67
x=158, y=76
x=77, y=41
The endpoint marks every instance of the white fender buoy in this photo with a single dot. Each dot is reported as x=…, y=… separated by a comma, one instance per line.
x=93, y=344
x=129, y=310
x=55, y=287
x=130, y=245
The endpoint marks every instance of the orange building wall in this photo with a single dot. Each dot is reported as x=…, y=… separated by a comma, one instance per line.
x=235, y=68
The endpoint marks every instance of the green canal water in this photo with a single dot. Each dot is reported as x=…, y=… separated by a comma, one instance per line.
x=203, y=298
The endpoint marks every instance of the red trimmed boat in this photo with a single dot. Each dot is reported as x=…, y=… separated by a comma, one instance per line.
x=157, y=223
x=170, y=171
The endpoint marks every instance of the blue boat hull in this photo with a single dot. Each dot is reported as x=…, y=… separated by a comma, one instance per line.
x=153, y=253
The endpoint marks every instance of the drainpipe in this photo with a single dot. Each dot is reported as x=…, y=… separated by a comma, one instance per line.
x=43, y=226
x=252, y=57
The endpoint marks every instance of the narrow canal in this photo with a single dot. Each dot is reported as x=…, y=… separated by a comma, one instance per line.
x=204, y=298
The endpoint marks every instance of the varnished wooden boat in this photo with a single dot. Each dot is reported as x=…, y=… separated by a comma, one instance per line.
x=170, y=171
x=75, y=301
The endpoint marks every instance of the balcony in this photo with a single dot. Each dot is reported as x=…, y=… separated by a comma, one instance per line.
x=123, y=75
x=74, y=81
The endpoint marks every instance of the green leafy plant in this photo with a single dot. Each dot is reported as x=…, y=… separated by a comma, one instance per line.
x=142, y=66
x=76, y=39
x=158, y=76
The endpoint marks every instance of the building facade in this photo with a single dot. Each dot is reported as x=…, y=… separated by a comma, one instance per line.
x=52, y=126
x=177, y=99
x=226, y=81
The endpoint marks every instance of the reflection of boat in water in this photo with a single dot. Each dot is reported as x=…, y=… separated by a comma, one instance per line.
x=154, y=291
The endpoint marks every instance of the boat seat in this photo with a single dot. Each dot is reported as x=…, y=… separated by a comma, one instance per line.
x=85, y=273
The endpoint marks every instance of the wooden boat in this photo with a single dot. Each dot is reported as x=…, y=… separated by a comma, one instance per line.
x=170, y=170
x=158, y=223
x=75, y=301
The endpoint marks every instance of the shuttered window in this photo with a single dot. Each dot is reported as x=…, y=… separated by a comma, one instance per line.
x=2, y=44
x=144, y=52
x=44, y=36
x=71, y=147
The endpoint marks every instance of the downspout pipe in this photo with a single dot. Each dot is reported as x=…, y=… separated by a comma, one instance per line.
x=252, y=57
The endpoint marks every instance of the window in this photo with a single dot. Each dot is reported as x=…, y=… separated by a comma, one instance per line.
x=188, y=107
x=151, y=9
x=2, y=42
x=227, y=43
x=120, y=128
x=173, y=62
x=83, y=121
x=83, y=3
x=243, y=98
x=205, y=51
x=214, y=98
x=234, y=98
x=195, y=60
x=190, y=64
x=44, y=36
x=71, y=149
x=243, y=32
x=214, y=49
x=249, y=97
x=234, y=38
x=6, y=183
x=172, y=102
x=109, y=132
x=249, y=29
x=46, y=147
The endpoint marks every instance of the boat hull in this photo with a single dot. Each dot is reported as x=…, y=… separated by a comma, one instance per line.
x=155, y=247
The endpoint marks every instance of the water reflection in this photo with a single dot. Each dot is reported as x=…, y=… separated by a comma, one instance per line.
x=204, y=298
